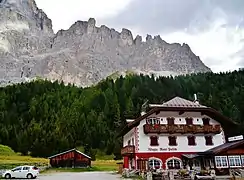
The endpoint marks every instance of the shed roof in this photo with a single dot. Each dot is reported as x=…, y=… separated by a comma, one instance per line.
x=223, y=147
x=68, y=152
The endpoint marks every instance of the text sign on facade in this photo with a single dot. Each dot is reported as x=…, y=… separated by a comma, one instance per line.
x=162, y=149
x=235, y=138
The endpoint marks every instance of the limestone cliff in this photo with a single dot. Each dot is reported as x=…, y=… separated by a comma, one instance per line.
x=84, y=54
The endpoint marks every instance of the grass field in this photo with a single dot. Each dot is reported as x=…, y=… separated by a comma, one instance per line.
x=9, y=159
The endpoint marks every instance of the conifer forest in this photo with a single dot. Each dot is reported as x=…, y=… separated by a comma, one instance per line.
x=43, y=117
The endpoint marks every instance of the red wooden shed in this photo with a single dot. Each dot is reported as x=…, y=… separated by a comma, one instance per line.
x=71, y=158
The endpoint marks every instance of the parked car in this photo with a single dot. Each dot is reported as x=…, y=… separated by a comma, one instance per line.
x=29, y=172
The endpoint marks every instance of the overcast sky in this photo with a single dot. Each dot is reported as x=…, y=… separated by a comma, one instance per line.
x=214, y=29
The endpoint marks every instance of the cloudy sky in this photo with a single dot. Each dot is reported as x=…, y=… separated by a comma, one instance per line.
x=214, y=29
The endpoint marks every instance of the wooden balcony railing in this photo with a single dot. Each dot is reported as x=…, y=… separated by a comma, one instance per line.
x=183, y=129
x=128, y=150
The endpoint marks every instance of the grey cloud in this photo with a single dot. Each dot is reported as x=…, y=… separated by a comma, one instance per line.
x=172, y=15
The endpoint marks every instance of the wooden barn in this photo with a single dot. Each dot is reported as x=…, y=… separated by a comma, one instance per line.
x=71, y=158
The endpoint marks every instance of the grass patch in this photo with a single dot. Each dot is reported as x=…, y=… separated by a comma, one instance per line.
x=9, y=159
x=6, y=151
x=9, y=162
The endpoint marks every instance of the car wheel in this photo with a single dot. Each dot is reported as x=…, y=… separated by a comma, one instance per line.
x=29, y=176
x=7, y=176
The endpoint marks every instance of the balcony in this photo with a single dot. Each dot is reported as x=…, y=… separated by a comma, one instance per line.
x=182, y=129
x=128, y=150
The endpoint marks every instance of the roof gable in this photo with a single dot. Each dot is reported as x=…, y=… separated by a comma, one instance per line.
x=68, y=152
x=180, y=102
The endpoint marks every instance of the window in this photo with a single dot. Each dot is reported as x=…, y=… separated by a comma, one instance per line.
x=208, y=140
x=26, y=168
x=153, y=121
x=189, y=121
x=154, y=141
x=129, y=143
x=205, y=121
x=191, y=140
x=221, y=161
x=234, y=161
x=173, y=164
x=17, y=169
x=133, y=142
x=242, y=160
x=196, y=163
x=172, y=141
x=155, y=163
x=171, y=121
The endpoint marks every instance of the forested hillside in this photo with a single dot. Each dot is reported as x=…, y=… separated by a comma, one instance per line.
x=43, y=117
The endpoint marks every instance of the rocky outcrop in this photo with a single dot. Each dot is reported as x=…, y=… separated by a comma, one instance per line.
x=84, y=54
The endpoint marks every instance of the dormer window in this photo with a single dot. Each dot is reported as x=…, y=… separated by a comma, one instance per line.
x=205, y=121
x=153, y=121
x=171, y=120
x=189, y=121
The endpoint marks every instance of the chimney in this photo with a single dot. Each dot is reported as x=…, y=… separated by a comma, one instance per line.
x=195, y=99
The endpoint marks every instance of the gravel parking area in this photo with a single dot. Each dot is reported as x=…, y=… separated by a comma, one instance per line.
x=83, y=175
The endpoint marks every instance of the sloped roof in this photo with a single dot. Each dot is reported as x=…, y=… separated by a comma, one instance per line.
x=224, y=147
x=68, y=152
x=180, y=102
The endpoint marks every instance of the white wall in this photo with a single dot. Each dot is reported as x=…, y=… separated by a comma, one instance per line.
x=129, y=136
x=144, y=140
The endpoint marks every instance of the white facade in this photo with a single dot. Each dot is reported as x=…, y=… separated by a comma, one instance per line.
x=182, y=141
x=143, y=143
x=129, y=138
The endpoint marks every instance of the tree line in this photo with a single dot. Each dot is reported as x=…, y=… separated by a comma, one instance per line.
x=43, y=118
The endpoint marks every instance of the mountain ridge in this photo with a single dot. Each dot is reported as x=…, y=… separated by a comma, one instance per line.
x=84, y=54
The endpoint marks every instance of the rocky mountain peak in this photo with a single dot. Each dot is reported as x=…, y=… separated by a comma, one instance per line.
x=84, y=54
x=27, y=11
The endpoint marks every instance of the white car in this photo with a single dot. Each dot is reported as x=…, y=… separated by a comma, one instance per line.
x=29, y=172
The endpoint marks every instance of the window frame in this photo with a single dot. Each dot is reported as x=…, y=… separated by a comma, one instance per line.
x=173, y=163
x=233, y=157
x=204, y=120
x=153, y=120
x=221, y=162
x=129, y=142
x=172, y=120
x=175, y=140
x=189, y=140
x=189, y=119
x=153, y=164
x=211, y=137
x=156, y=139
x=242, y=160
